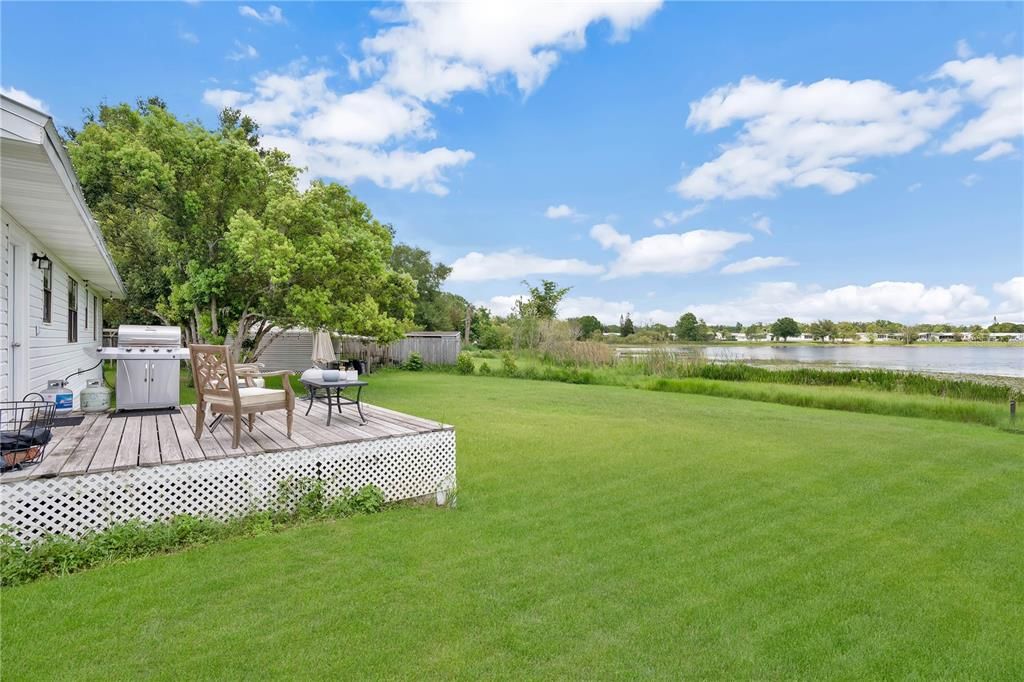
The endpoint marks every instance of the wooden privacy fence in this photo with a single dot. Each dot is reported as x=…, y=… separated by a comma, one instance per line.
x=436, y=348
x=293, y=350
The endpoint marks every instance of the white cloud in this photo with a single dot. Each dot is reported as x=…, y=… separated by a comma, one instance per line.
x=970, y=180
x=371, y=116
x=1013, y=291
x=692, y=251
x=915, y=186
x=429, y=53
x=501, y=305
x=346, y=137
x=905, y=301
x=516, y=263
x=997, y=150
x=807, y=135
x=273, y=15
x=560, y=211
x=996, y=85
x=963, y=50
x=761, y=223
x=608, y=312
x=188, y=37
x=392, y=169
x=25, y=98
x=437, y=49
x=672, y=218
x=757, y=263
x=243, y=51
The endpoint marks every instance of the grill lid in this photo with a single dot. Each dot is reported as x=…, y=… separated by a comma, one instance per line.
x=136, y=335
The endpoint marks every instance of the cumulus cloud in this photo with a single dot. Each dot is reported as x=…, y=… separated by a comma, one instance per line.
x=560, y=211
x=905, y=301
x=25, y=98
x=429, y=52
x=757, y=263
x=996, y=86
x=514, y=264
x=915, y=186
x=970, y=180
x=1012, y=290
x=687, y=252
x=273, y=15
x=963, y=49
x=910, y=301
x=668, y=218
x=188, y=37
x=391, y=169
x=437, y=49
x=351, y=136
x=807, y=135
x=243, y=51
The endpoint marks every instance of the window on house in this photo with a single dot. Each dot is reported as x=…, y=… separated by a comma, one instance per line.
x=48, y=292
x=72, y=311
x=96, y=317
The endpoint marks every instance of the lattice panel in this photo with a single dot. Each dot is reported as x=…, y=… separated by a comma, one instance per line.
x=403, y=467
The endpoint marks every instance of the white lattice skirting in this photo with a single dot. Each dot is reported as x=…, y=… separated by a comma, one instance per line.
x=403, y=467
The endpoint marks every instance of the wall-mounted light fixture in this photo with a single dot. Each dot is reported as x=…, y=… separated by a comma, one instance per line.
x=44, y=262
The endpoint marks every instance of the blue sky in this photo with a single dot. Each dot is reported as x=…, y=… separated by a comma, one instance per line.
x=743, y=161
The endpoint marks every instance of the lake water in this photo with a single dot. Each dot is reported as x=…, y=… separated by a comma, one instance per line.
x=955, y=359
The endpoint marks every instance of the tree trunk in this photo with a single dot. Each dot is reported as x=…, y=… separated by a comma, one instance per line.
x=214, y=328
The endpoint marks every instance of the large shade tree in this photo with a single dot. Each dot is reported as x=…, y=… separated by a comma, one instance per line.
x=212, y=233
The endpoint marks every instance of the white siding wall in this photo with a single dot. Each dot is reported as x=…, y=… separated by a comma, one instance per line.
x=50, y=356
x=5, y=341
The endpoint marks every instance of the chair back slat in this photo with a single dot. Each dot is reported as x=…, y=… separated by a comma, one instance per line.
x=213, y=371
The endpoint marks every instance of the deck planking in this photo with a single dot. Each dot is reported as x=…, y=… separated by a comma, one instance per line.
x=103, y=444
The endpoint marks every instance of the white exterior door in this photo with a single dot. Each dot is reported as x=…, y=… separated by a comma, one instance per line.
x=17, y=319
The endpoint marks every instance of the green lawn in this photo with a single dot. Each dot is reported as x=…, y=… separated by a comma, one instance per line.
x=601, y=532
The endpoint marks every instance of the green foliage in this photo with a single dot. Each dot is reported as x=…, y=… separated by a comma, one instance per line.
x=414, y=363
x=688, y=328
x=464, y=363
x=298, y=500
x=589, y=326
x=965, y=411
x=785, y=327
x=627, y=327
x=211, y=233
x=821, y=330
x=543, y=301
x=508, y=363
x=435, y=310
x=485, y=369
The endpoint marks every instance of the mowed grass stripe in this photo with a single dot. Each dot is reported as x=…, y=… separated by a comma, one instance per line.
x=600, y=532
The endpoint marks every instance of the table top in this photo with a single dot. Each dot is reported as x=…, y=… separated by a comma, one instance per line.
x=320, y=383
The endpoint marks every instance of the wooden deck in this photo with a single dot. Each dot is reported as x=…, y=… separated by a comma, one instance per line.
x=103, y=442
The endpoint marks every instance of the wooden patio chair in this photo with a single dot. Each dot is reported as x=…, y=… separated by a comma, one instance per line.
x=216, y=379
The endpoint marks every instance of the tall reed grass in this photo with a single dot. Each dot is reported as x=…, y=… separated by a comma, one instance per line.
x=668, y=365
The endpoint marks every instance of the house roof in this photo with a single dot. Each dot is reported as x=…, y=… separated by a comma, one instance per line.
x=39, y=189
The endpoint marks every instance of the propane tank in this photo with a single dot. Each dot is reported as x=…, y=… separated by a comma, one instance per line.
x=58, y=393
x=95, y=397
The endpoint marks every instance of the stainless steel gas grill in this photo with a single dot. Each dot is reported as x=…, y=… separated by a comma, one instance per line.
x=148, y=366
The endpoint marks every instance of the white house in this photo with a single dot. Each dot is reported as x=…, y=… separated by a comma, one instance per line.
x=55, y=271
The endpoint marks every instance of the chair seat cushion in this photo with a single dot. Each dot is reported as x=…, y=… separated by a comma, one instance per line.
x=253, y=397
